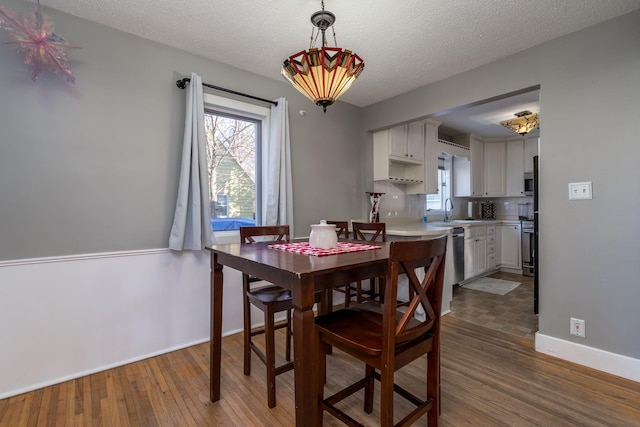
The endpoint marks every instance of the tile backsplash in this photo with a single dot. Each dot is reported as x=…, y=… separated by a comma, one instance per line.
x=395, y=203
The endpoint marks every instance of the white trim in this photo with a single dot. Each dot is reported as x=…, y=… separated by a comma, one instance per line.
x=233, y=106
x=612, y=363
x=219, y=104
x=80, y=257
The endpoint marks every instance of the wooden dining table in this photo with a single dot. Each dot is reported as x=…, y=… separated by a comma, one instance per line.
x=303, y=275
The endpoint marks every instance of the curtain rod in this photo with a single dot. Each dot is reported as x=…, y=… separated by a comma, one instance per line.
x=182, y=84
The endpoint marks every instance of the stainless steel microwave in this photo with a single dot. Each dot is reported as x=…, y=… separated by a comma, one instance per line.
x=528, y=183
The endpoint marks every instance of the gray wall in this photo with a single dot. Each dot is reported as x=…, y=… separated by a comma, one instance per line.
x=93, y=167
x=590, y=105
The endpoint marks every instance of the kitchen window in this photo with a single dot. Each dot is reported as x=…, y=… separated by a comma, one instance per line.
x=435, y=202
x=234, y=132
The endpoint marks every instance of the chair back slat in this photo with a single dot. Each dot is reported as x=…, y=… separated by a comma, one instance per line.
x=273, y=233
x=342, y=228
x=369, y=231
x=407, y=257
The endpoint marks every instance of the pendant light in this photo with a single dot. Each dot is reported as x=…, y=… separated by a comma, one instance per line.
x=524, y=122
x=322, y=74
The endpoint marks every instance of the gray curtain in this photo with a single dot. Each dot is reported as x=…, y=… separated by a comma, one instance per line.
x=277, y=190
x=192, y=219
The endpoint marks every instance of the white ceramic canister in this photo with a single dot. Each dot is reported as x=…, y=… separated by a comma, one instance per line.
x=323, y=236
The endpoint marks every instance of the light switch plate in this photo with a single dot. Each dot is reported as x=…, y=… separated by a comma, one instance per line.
x=580, y=191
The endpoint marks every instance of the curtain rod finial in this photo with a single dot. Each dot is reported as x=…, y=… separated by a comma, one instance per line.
x=182, y=83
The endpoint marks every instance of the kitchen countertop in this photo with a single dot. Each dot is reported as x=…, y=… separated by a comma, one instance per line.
x=415, y=227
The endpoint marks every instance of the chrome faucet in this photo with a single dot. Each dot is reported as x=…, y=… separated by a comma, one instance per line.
x=447, y=216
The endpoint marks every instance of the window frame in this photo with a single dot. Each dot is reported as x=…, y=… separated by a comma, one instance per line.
x=443, y=193
x=221, y=105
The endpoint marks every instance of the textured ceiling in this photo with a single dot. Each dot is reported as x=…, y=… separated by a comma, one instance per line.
x=405, y=43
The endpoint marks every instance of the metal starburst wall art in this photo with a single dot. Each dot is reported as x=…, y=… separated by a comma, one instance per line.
x=34, y=37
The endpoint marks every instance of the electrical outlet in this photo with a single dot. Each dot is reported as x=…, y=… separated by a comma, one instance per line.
x=577, y=327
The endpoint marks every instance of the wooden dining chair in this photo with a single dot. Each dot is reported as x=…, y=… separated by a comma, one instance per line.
x=369, y=232
x=271, y=300
x=342, y=228
x=387, y=339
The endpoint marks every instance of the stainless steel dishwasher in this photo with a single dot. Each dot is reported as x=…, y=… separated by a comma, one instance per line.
x=458, y=254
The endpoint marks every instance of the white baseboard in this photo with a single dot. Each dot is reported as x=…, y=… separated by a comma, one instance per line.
x=612, y=363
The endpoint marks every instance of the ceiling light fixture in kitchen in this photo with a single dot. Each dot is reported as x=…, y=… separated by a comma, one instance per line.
x=524, y=122
x=323, y=74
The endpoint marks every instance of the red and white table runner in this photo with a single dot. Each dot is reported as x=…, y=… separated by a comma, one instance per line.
x=305, y=249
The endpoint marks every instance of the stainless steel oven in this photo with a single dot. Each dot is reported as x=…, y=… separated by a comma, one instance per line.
x=528, y=248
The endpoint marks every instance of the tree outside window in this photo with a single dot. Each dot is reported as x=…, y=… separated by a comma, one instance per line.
x=231, y=159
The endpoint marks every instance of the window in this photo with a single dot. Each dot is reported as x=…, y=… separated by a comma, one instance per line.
x=435, y=202
x=234, y=131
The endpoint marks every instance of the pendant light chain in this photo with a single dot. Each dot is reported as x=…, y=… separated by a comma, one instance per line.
x=335, y=41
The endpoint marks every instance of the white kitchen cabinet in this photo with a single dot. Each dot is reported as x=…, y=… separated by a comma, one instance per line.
x=477, y=167
x=491, y=256
x=475, y=251
x=510, y=247
x=461, y=177
x=494, y=169
x=492, y=244
x=431, y=158
x=406, y=143
x=399, y=170
x=530, y=150
x=515, y=168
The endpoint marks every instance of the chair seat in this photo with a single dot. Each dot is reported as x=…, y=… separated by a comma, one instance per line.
x=270, y=294
x=358, y=327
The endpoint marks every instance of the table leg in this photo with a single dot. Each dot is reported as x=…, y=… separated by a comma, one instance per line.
x=304, y=339
x=215, y=343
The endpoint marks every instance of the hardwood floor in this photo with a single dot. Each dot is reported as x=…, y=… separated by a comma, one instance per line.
x=511, y=313
x=489, y=378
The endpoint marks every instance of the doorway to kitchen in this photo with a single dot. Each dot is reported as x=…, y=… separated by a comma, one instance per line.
x=512, y=313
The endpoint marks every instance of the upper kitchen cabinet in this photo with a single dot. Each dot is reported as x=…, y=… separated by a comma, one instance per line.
x=468, y=168
x=406, y=143
x=477, y=167
x=399, y=169
x=494, y=169
x=530, y=150
x=433, y=150
x=515, y=168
